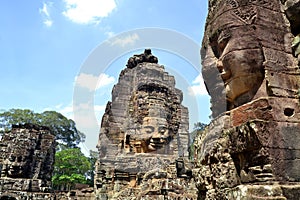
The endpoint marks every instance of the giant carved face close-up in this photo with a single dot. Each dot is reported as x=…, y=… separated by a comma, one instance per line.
x=239, y=60
x=241, y=67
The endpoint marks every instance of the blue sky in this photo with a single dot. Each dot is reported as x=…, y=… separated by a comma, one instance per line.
x=45, y=45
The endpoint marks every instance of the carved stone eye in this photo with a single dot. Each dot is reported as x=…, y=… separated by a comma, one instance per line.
x=162, y=130
x=222, y=41
x=218, y=41
x=149, y=129
x=12, y=158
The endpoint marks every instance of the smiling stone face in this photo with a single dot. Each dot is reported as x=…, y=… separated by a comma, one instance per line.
x=26, y=161
x=18, y=168
x=155, y=111
x=156, y=132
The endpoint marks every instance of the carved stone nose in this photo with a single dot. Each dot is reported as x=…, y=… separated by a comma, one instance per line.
x=220, y=66
x=156, y=135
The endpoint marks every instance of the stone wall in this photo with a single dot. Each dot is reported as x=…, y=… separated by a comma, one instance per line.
x=26, y=163
x=251, y=148
x=78, y=194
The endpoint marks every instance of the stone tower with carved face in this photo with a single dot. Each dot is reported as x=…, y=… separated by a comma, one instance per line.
x=145, y=114
x=143, y=132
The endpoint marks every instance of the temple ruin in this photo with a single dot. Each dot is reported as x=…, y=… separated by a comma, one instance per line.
x=250, y=150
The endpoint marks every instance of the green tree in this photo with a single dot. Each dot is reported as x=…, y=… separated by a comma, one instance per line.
x=199, y=127
x=63, y=128
x=91, y=173
x=16, y=116
x=70, y=167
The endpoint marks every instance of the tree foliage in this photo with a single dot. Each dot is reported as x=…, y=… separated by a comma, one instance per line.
x=199, y=128
x=91, y=173
x=70, y=167
x=63, y=128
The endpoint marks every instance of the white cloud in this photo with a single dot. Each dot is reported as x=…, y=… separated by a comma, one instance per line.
x=88, y=11
x=48, y=22
x=92, y=82
x=109, y=34
x=198, y=87
x=88, y=119
x=104, y=80
x=44, y=11
x=128, y=40
x=82, y=110
x=99, y=108
x=84, y=120
x=198, y=80
x=67, y=110
x=84, y=115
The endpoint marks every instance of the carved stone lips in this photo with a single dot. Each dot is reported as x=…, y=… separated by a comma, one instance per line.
x=225, y=75
x=156, y=143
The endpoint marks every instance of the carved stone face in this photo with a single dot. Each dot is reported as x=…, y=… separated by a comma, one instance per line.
x=239, y=60
x=153, y=123
x=156, y=132
x=242, y=73
x=16, y=166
